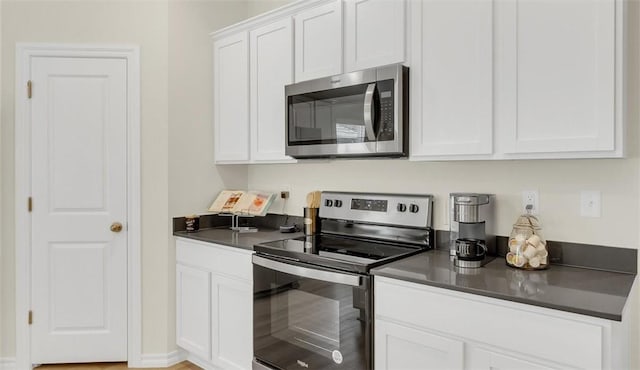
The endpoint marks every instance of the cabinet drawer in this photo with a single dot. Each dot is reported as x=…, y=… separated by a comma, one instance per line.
x=219, y=259
x=511, y=326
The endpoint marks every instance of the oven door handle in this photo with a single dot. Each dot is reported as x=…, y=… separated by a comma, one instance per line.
x=330, y=276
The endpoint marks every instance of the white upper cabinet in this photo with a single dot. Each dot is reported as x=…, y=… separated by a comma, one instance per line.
x=231, y=99
x=508, y=79
x=556, y=76
x=271, y=68
x=451, y=78
x=318, y=41
x=516, y=79
x=374, y=33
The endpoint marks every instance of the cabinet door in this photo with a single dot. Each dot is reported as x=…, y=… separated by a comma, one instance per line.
x=232, y=327
x=231, y=99
x=318, y=34
x=556, y=75
x=374, y=33
x=193, y=316
x=452, y=78
x=271, y=66
x=400, y=347
x=482, y=359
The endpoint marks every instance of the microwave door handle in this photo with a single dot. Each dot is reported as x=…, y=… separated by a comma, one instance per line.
x=287, y=268
x=369, y=112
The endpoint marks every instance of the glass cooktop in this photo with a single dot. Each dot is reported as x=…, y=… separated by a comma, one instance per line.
x=343, y=253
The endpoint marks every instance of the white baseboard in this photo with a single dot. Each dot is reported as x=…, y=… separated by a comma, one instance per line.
x=147, y=360
x=200, y=362
x=7, y=363
x=161, y=359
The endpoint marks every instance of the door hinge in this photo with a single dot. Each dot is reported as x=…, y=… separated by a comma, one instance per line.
x=30, y=204
x=29, y=89
x=30, y=317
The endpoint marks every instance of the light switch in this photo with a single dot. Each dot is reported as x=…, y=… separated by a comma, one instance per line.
x=590, y=203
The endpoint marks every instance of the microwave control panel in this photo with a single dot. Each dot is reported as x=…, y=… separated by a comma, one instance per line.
x=387, y=114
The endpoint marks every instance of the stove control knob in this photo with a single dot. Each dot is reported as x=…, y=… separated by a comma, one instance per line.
x=328, y=203
x=338, y=203
x=414, y=208
x=401, y=207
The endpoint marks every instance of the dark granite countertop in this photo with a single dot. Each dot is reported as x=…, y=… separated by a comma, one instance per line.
x=223, y=235
x=585, y=291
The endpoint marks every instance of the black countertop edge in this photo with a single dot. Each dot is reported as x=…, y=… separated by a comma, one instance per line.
x=271, y=220
x=484, y=293
x=594, y=293
x=595, y=257
x=216, y=230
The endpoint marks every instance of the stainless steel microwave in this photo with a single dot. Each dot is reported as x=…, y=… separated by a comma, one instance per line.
x=358, y=114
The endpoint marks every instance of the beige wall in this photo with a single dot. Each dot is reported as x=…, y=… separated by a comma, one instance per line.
x=256, y=7
x=126, y=22
x=2, y=264
x=194, y=180
x=559, y=182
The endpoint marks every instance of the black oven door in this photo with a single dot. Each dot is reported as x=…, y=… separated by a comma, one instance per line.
x=310, y=317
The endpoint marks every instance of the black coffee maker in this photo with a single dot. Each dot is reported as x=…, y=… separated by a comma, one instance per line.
x=470, y=228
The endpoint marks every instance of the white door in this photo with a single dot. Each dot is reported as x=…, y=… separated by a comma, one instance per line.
x=79, y=167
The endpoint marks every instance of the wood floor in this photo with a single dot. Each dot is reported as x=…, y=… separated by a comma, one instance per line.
x=113, y=366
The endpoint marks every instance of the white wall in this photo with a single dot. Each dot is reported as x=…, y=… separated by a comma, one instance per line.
x=124, y=22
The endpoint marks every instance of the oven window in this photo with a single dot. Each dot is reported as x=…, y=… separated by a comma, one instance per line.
x=300, y=321
x=307, y=320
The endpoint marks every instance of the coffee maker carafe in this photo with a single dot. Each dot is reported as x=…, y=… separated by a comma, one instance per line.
x=470, y=228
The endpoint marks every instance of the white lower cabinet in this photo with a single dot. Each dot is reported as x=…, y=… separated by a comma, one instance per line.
x=400, y=347
x=232, y=328
x=192, y=312
x=423, y=327
x=214, y=322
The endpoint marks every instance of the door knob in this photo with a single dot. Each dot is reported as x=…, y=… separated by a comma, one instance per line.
x=116, y=227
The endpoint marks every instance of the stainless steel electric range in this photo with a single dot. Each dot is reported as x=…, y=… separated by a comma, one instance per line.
x=313, y=297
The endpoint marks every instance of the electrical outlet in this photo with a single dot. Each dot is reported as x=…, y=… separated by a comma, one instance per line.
x=284, y=194
x=530, y=197
x=590, y=203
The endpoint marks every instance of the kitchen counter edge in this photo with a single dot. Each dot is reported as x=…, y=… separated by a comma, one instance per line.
x=496, y=280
